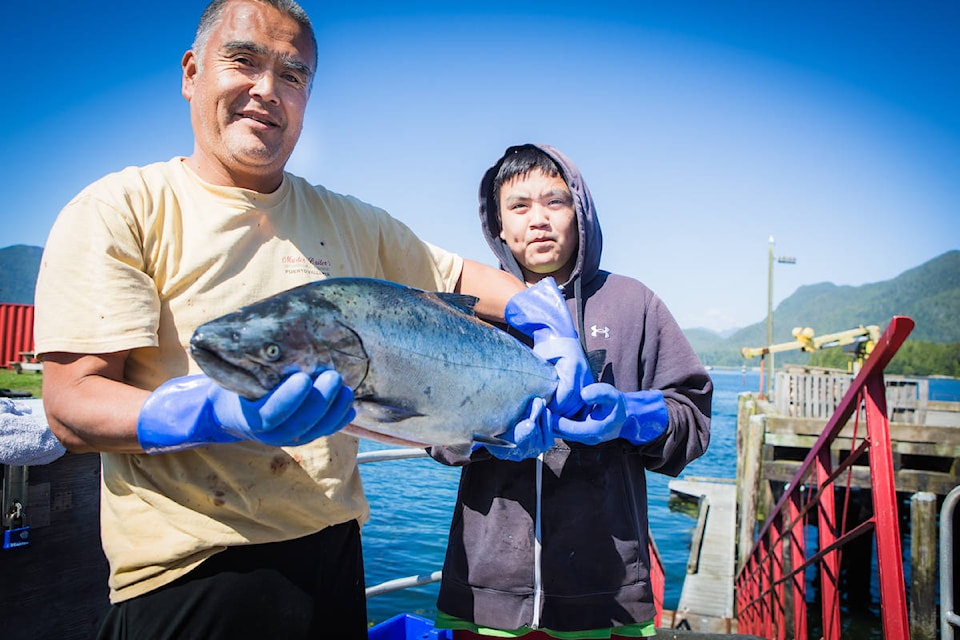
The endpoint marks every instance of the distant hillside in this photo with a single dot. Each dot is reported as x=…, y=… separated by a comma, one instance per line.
x=19, y=266
x=703, y=340
x=930, y=294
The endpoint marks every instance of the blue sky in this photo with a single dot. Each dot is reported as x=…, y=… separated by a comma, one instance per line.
x=702, y=128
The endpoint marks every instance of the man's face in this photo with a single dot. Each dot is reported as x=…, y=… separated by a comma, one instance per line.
x=539, y=224
x=247, y=95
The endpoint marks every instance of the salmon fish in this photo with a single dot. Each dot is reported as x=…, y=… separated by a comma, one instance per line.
x=424, y=370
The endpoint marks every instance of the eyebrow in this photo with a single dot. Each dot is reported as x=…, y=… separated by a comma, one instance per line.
x=239, y=46
x=552, y=193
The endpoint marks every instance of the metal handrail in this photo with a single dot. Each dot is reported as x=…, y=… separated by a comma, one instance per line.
x=390, y=454
x=763, y=581
x=948, y=617
x=403, y=583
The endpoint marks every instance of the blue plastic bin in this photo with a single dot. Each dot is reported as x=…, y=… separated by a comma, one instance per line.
x=407, y=626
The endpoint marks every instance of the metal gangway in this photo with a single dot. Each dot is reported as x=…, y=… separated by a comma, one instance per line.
x=771, y=585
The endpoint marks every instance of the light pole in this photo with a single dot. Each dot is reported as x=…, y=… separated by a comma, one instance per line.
x=781, y=260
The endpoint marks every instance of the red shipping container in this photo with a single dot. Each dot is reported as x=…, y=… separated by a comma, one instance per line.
x=16, y=332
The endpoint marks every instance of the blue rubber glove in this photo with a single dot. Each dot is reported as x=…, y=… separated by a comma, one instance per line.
x=193, y=411
x=647, y=416
x=540, y=313
x=637, y=416
x=531, y=436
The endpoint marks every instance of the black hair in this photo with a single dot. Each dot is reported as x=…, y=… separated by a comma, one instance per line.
x=518, y=162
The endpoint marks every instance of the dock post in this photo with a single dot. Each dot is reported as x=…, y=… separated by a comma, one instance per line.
x=749, y=485
x=923, y=565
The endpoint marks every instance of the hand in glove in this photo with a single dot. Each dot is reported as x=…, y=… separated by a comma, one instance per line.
x=539, y=312
x=192, y=411
x=637, y=416
x=647, y=416
x=531, y=436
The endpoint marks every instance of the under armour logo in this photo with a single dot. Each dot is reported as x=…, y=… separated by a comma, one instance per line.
x=594, y=331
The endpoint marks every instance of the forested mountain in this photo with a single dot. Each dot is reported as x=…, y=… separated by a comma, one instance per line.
x=930, y=294
x=19, y=265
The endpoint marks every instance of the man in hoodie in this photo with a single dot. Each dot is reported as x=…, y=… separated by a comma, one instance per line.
x=551, y=536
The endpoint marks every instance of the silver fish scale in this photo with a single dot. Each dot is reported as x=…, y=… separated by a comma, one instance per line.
x=422, y=370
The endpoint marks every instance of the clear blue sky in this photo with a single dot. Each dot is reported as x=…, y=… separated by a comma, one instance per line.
x=702, y=128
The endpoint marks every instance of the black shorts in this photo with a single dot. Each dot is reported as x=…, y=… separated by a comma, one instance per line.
x=311, y=587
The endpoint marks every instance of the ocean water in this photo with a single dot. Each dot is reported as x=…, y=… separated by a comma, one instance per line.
x=411, y=503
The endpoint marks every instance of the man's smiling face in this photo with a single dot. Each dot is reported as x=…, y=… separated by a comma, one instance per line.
x=248, y=90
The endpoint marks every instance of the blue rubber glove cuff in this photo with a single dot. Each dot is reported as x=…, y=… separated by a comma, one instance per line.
x=193, y=411
x=647, y=416
x=532, y=436
x=540, y=312
x=177, y=416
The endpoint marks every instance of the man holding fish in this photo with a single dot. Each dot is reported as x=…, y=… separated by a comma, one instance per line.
x=549, y=538
x=223, y=517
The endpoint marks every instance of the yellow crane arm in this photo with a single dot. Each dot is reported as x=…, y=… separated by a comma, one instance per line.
x=808, y=341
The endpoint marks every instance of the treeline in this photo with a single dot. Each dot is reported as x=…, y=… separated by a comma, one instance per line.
x=915, y=358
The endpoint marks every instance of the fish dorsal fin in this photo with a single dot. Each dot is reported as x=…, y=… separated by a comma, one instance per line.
x=459, y=301
x=495, y=441
x=596, y=359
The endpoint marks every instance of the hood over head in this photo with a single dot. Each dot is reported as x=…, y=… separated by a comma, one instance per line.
x=588, y=227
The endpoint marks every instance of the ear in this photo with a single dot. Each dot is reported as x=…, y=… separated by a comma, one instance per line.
x=189, y=65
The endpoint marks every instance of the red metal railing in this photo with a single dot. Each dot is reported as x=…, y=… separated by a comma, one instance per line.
x=765, y=580
x=657, y=577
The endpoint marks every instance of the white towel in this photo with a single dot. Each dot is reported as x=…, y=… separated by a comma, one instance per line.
x=25, y=437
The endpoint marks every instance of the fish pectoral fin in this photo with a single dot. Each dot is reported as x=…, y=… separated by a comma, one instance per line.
x=459, y=301
x=386, y=413
x=492, y=440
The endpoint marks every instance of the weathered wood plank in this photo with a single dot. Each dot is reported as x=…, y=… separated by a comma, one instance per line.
x=907, y=480
x=923, y=566
x=748, y=489
x=709, y=591
x=696, y=542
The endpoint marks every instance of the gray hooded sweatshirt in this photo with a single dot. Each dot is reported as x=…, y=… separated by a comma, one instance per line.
x=560, y=542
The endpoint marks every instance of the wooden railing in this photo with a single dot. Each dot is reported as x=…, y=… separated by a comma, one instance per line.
x=771, y=588
x=811, y=392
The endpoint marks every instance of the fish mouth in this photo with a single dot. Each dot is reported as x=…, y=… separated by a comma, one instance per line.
x=234, y=377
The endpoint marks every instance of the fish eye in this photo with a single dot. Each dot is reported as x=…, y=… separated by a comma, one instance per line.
x=271, y=351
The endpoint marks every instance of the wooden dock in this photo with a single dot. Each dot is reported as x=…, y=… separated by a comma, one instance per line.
x=706, y=600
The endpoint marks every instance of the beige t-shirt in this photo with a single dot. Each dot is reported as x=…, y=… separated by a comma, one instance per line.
x=136, y=262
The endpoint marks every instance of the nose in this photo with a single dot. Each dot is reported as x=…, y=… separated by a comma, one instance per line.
x=539, y=216
x=264, y=87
